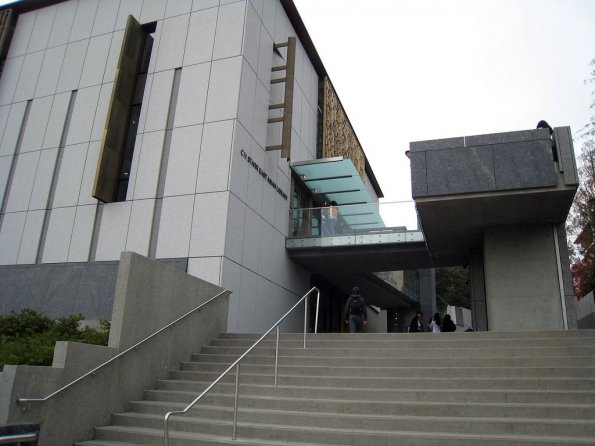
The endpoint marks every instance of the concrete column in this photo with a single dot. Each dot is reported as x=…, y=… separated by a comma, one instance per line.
x=427, y=293
x=477, y=290
x=523, y=278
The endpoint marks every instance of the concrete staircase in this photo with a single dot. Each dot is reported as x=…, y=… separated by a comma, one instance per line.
x=463, y=389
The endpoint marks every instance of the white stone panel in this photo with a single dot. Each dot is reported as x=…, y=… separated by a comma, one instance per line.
x=31, y=237
x=55, y=128
x=251, y=240
x=13, y=128
x=22, y=34
x=113, y=230
x=230, y=280
x=101, y=112
x=225, y=2
x=252, y=37
x=255, y=180
x=10, y=78
x=83, y=20
x=238, y=181
x=265, y=252
x=128, y=7
x=204, y=4
x=230, y=30
x=153, y=10
x=95, y=61
x=37, y=122
x=209, y=224
x=192, y=96
x=296, y=117
x=201, y=36
x=158, y=104
x=224, y=87
x=213, y=170
x=141, y=219
x=134, y=167
x=247, y=94
x=172, y=43
x=174, y=227
x=113, y=56
x=10, y=237
x=248, y=312
x=155, y=47
x=43, y=179
x=72, y=66
x=257, y=5
x=105, y=19
x=282, y=205
x=42, y=29
x=269, y=12
x=5, y=163
x=83, y=115
x=57, y=241
x=282, y=25
x=82, y=234
x=177, y=7
x=29, y=75
x=86, y=194
x=72, y=166
x=234, y=233
x=146, y=176
x=22, y=182
x=62, y=24
x=4, y=112
x=206, y=268
x=182, y=165
x=260, y=115
x=50, y=71
x=269, y=197
x=265, y=58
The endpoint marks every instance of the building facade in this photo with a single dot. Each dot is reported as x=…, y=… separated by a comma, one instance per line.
x=167, y=128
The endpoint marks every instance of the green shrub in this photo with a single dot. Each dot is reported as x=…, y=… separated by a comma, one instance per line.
x=29, y=336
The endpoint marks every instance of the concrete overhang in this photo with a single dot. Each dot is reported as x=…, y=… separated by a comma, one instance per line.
x=463, y=186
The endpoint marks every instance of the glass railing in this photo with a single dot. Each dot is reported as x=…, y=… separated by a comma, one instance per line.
x=357, y=219
x=406, y=282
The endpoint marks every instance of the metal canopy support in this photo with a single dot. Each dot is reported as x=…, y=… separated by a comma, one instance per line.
x=287, y=104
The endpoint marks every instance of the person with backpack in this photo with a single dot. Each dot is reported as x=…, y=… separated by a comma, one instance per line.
x=356, y=314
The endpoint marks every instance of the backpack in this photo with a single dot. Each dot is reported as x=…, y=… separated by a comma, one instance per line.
x=356, y=306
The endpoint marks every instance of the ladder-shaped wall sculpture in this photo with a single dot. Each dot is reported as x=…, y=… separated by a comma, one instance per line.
x=287, y=105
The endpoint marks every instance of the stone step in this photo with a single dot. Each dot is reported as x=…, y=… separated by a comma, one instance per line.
x=401, y=371
x=550, y=334
x=435, y=342
x=390, y=383
x=313, y=437
x=546, y=396
x=213, y=402
x=411, y=361
x=430, y=353
x=298, y=421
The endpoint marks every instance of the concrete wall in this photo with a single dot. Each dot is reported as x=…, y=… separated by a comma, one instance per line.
x=522, y=280
x=376, y=321
x=586, y=311
x=138, y=311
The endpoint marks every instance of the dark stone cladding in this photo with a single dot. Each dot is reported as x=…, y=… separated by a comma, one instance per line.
x=61, y=289
x=483, y=163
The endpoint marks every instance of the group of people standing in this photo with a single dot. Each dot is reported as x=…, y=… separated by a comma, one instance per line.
x=435, y=326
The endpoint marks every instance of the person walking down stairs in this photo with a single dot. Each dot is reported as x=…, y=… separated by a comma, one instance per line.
x=356, y=314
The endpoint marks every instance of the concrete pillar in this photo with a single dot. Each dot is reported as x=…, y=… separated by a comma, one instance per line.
x=523, y=278
x=477, y=290
x=427, y=293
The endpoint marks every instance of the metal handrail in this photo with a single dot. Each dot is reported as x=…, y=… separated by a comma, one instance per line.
x=236, y=364
x=18, y=438
x=134, y=347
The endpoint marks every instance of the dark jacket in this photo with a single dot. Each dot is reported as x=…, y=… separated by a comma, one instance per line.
x=364, y=312
x=413, y=326
x=448, y=325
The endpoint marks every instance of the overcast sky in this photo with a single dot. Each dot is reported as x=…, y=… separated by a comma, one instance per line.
x=411, y=70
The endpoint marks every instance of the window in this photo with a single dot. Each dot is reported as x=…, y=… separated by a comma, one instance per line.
x=119, y=135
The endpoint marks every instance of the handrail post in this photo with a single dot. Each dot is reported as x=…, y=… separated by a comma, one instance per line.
x=277, y=356
x=317, y=307
x=235, y=403
x=305, y=318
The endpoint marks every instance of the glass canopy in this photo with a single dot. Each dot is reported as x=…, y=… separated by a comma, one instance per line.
x=333, y=179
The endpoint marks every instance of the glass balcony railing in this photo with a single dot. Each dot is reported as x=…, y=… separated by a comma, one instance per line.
x=357, y=219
